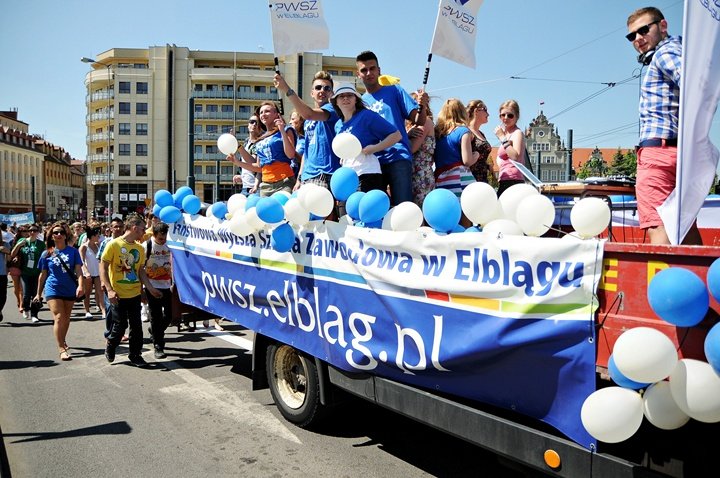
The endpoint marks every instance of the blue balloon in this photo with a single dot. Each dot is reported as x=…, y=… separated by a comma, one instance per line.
x=713, y=279
x=712, y=347
x=343, y=182
x=282, y=238
x=156, y=210
x=164, y=198
x=313, y=217
x=442, y=210
x=191, y=204
x=252, y=200
x=373, y=206
x=473, y=229
x=269, y=210
x=182, y=192
x=458, y=228
x=170, y=214
x=281, y=197
x=352, y=205
x=620, y=379
x=219, y=209
x=678, y=296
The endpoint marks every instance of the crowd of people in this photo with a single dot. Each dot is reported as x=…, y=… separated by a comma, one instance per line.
x=121, y=266
x=404, y=152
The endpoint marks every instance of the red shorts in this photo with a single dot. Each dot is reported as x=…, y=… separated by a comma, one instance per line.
x=656, y=169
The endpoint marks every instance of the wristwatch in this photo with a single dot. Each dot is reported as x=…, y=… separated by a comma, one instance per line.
x=290, y=92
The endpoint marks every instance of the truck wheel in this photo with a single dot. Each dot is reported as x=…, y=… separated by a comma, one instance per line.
x=294, y=384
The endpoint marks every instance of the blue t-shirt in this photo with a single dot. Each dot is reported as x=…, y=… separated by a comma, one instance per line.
x=271, y=149
x=394, y=104
x=59, y=283
x=319, y=157
x=367, y=126
x=447, y=148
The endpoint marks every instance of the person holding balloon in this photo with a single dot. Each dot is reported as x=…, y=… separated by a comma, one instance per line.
x=453, y=149
x=512, y=146
x=275, y=153
x=374, y=133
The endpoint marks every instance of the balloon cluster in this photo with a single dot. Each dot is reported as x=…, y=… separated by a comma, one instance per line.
x=675, y=390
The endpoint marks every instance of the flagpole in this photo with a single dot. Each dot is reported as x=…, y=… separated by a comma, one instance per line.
x=277, y=62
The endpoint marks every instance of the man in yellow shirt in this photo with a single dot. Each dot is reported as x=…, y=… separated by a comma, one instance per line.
x=122, y=272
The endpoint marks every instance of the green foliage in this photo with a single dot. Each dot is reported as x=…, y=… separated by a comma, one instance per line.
x=623, y=164
x=592, y=168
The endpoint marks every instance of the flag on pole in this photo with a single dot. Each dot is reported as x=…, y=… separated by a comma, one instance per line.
x=456, y=30
x=298, y=26
x=699, y=95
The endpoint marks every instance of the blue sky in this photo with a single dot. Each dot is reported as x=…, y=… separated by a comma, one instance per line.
x=564, y=50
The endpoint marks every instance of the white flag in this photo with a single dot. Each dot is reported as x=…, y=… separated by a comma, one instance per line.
x=456, y=30
x=699, y=95
x=297, y=26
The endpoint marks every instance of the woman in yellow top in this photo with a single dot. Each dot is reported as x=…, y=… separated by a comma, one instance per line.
x=274, y=150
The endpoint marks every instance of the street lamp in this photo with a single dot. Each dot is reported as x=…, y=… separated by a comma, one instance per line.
x=109, y=181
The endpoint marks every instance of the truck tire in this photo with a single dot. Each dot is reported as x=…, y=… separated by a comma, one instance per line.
x=294, y=384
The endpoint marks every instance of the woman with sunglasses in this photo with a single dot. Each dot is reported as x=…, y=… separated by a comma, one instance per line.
x=477, y=116
x=275, y=151
x=60, y=282
x=512, y=146
x=28, y=250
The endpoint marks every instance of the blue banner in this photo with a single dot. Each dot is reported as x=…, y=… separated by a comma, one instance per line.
x=21, y=218
x=535, y=355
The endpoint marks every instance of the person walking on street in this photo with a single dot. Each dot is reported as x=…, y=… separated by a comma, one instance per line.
x=5, y=250
x=29, y=250
x=60, y=282
x=117, y=227
x=122, y=272
x=158, y=269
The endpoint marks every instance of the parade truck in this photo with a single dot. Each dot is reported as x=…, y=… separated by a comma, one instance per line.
x=497, y=339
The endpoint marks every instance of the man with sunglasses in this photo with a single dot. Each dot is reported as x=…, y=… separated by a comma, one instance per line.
x=319, y=161
x=659, y=112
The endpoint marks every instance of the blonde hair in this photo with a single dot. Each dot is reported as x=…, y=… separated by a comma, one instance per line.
x=474, y=105
x=451, y=115
x=511, y=105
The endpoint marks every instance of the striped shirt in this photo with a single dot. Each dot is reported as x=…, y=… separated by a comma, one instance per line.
x=660, y=92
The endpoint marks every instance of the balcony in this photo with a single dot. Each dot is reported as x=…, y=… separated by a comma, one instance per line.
x=101, y=158
x=209, y=156
x=91, y=138
x=100, y=116
x=210, y=178
x=100, y=95
x=214, y=94
x=215, y=115
x=102, y=74
x=99, y=178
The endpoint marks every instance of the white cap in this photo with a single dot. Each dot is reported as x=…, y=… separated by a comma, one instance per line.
x=346, y=88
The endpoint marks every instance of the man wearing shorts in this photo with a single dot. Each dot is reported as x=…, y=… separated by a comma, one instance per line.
x=659, y=111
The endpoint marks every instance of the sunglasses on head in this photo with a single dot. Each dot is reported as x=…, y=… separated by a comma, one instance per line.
x=322, y=87
x=642, y=31
x=507, y=115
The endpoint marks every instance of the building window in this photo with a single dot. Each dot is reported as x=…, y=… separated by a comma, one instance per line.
x=227, y=88
x=210, y=169
x=141, y=108
x=198, y=150
x=124, y=149
x=198, y=108
x=124, y=107
x=141, y=129
x=198, y=128
x=197, y=87
x=140, y=66
x=208, y=192
x=211, y=87
x=211, y=129
x=141, y=150
x=226, y=108
x=226, y=128
x=211, y=108
x=124, y=129
x=244, y=89
x=226, y=170
x=260, y=89
x=141, y=170
x=124, y=86
x=210, y=149
x=198, y=170
x=242, y=131
x=124, y=169
x=141, y=87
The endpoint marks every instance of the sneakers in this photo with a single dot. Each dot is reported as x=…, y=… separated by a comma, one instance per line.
x=88, y=315
x=144, y=313
x=138, y=361
x=34, y=319
x=110, y=353
x=25, y=314
x=159, y=353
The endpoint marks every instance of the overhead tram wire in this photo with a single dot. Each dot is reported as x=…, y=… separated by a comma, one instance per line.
x=597, y=93
x=617, y=129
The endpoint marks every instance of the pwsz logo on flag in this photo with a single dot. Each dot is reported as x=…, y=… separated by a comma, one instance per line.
x=461, y=2
x=714, y=12
x=305, y=8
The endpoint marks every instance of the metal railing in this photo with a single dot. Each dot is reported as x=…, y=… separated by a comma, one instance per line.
x=98, y=158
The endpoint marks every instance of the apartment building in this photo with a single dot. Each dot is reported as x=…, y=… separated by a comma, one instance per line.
x=154, y=116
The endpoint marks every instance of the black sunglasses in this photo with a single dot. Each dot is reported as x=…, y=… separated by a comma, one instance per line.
x=252, y=121
x=642, y=31
x=507, y=115
x=322, y=87
x=57, y=233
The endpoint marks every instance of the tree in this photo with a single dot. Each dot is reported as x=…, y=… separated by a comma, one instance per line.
x=623, y=164
x=595, y=166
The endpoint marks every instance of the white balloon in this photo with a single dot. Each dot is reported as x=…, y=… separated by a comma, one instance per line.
x=345, y=220
x=479, y=203
x=208, y=212
x=319, y=201
x=235, y=202
x=510, y=199
x=695, y=387
x=386, y=220
x=406, y=216
x=535, y=215
x=227, y=143
x=644, y=355
x=346, y=146
x=504, y=226
x=612, y=414
x=660, y=408
x=252, y=218
x=304, y=194
x=590, y=216
x=295, y=212
x=240, y=226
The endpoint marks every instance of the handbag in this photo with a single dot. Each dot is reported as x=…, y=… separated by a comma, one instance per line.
x=70, y=273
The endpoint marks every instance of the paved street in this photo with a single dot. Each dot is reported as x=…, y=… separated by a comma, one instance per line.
x=192, y=414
